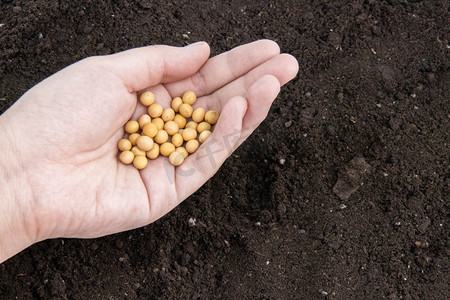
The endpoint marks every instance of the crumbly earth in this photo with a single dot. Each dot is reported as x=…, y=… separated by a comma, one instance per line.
x=342, y=192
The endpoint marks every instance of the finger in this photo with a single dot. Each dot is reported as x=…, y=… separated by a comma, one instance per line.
x=204, y=163
x=226, y=67
x=144, y=67
x=284, y=67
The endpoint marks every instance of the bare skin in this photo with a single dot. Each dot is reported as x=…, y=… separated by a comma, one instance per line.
x=59, y=171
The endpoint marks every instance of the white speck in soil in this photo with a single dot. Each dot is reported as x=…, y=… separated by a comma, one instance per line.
x=302, y=231
x=282, y=161
x=342, y=206
x=258, y=223
x=267, y=262
x=191, y=222
x=398, y=223
x=308, y=94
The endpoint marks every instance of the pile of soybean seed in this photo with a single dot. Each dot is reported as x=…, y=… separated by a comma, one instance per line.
x=174, y=132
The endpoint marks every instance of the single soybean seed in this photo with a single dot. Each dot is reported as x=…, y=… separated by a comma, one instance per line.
x=154, y=153
x=198, y=115
x=189, y=134
x=180, y=120
x=189, y=97
x=150, y=129
x=147, y=98
x=183, y=151
x=186, y=110
x=155, y=110
x=159, y=123
x=171, y=127
x=192, y=124
x=126, y=157
x=211, y=117
x=140, y=162
x=136, y=151
x=176, y=102
x=176, y=158
x=144, y=119
x=133, y=138
x=124, y=145
x=131, y=126
x=166, y=149
x=168, y=114
x=161, y=137
x=203, y=126
x=192, y=146
x=203, y=136
x=145, y=143
x=177, y=140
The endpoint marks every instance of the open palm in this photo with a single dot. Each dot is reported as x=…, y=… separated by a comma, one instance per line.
x=66, y=129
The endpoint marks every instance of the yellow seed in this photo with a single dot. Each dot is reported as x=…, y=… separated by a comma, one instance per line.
x=211, y=117
x=140, y=162
x=176, y=102
x=203, y=136
x=166, y=149
x=126, y=157
x=131, y=126
x=144, y=119
x=168, y=114
x=186, y=110
x=183, y=151
x=189, y=97
x=189, y=134
x=176, y=158
x=203, y=126
x=150, y=129
x=159, y=123
x=124, y=145
x=155, y=110
x=192, y=124
x=198, y=115
x=161, y=137
x=171, y=127
x=177, y=140
x=192, y=146
x=145, y=143
x=180, y=120
x=147, y=98
x=154, y=153
x=133, y=138
x=136, y=151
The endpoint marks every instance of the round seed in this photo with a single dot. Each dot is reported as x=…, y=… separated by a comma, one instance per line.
x=161, y=137
x=126, y=157
x=166, y=149
x=131, y=126
x=176, y=158
x=140, y=162
x=203, y=126
x=203, y=136
x=211, y=117
x=198, y=115
x=150, y=129
x=192, y=146
x=185, y=110
x=147, y=98
x=124, y=145
x=155, y=110
x=154, y=152
x=145, y=143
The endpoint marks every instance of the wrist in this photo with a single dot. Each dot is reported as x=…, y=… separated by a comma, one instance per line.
x=17, y=230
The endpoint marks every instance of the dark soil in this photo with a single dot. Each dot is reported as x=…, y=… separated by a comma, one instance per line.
x=342, y=193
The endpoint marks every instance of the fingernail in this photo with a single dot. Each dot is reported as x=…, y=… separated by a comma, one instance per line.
x=197, y=44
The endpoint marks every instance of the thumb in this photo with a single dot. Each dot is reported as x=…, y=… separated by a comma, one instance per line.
x=144, y=67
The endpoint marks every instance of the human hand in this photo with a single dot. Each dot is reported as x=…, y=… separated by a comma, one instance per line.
x=59, y=140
